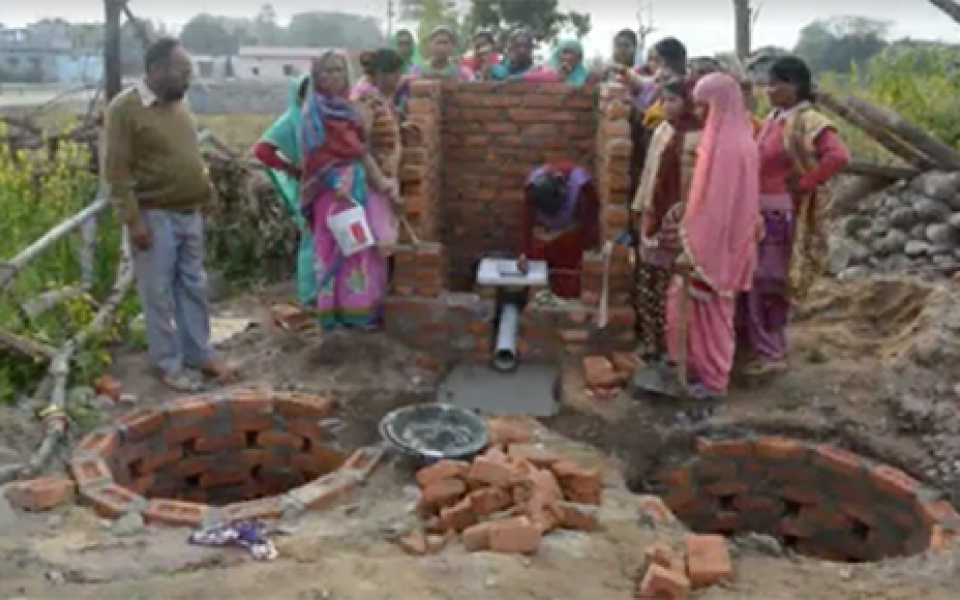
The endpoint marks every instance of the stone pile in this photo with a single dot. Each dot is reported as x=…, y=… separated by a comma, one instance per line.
x=503, y=501
x=912, y=226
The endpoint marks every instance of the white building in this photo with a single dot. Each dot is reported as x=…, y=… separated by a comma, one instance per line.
x=266, y=62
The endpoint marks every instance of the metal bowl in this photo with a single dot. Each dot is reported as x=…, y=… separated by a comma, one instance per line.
x=435, y=431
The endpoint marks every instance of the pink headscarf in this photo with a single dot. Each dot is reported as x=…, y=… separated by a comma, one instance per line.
x=721, y=220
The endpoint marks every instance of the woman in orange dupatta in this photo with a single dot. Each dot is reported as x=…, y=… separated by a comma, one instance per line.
x=719, y=231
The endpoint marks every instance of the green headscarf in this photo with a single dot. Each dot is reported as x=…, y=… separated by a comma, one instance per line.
x=579, y=74
x=285, y=134
x=415, y=58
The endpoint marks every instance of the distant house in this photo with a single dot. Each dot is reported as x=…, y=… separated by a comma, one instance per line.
x=212, y=67
x=266, y=62
x=44, y=53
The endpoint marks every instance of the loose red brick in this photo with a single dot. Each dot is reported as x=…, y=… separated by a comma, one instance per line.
x=664, y=556
x=599, y=372
x=363, y=461
x=656, y=509
x=445, y=492
x=518, y=535
x=250, y=401
x=442, y=469
x=895, y=481
x=90, y=472
x=941, y=539
x=708, y=561
x=780, y=448
x=457, y=517
x=477, y=537
x=323, y=492
x=303, y=406
x=579, y=484
x=492, y=471
x=725, y=448
x=107, y=385
x=102, y=441
x=487, y=501
x=579, y=517
x=838, y=461
x=174, y=512
x=141, y=423
x=663, y=583
x=938, y=512
x=538, y=457
x=414, y=543
x=268, y=509
x=626, y=363
x=232, y=441
x=503, y=432
x=41, y=494
x=111, y=501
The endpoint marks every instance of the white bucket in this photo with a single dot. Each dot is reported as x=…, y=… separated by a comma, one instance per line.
x=351, y=230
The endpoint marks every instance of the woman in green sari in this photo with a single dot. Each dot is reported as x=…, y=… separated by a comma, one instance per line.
x=279, y=149
x=408, y=49
x=567, y=62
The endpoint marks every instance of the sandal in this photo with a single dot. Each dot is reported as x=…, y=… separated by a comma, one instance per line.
x=179, y=382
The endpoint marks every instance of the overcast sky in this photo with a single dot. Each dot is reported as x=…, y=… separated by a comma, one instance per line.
x=706, y=26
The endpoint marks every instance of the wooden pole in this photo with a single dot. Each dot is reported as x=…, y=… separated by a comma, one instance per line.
x=112, y=64
x=742, y=15
x=949, y=7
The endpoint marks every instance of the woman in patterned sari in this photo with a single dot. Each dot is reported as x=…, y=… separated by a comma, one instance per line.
x=440, y=64
x=279, y=150
x=351, y=288
x=800, y=151
x=658, y=206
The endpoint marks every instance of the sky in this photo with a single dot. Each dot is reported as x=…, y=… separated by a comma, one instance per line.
x=705, y=26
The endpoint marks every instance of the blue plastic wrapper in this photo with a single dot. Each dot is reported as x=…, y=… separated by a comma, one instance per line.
x=245, y=534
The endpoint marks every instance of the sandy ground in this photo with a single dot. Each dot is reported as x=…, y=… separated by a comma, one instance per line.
x=870, y=368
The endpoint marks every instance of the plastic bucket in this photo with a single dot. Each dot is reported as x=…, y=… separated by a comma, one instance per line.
x=351, y=230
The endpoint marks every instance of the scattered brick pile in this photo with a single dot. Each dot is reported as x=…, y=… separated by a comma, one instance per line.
x=504, y=501
x=670, y=575
x=42, y=493
x=605, y=376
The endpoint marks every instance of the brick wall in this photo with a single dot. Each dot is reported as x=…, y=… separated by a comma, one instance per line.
x=492, y=135
x=467, y=150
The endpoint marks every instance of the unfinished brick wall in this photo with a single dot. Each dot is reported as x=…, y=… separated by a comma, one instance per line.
x=468, y=148
x=492, y=136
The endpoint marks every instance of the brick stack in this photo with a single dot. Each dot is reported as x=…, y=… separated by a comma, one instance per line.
x=604, y=377
x=819, y=499
x=504, y=501
x=670, y=575
x=248, y=453
x=464, y=165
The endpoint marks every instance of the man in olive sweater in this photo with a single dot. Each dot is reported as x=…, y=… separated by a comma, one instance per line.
x=159, y=184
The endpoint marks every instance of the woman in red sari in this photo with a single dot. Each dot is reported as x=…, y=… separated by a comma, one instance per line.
x=719, y=232
x=561, y=221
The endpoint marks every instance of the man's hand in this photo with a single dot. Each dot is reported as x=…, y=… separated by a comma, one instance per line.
x=523, y=265
x=140, y=237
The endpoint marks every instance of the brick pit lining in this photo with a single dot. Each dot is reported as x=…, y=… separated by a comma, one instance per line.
x=244, y=454
x=819, y=500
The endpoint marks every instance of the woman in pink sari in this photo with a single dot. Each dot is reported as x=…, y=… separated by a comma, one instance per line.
x=719, y=232
x=351, y=288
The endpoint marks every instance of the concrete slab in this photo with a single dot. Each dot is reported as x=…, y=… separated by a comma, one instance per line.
x=531, y=390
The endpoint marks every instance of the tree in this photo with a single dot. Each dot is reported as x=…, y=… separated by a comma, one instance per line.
x=206, y=34
x=434, y=13
x=333, y=30
x=543, y=17
x=839, y=43
x=265, y=27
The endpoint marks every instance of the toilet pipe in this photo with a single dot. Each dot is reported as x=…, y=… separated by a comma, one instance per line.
x=505, y=357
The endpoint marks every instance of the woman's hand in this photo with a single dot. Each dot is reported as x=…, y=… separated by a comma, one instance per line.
x=343, y=191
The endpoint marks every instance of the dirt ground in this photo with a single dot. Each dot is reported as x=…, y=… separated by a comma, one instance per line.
x=871, y=368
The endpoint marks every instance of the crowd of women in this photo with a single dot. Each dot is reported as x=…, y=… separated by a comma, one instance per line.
x=728, y=209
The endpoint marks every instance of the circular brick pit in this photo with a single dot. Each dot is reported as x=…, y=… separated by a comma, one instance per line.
x=243, y=454
x=818, y=500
